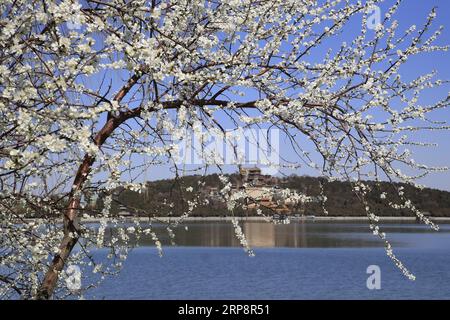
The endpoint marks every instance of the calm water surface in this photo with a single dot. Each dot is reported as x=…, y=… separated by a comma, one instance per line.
x=303, y=260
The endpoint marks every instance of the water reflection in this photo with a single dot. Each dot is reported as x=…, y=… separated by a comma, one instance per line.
x=301, y=234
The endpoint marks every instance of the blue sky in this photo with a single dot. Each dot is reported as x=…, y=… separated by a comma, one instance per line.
x=411, y=12
x=415, y=12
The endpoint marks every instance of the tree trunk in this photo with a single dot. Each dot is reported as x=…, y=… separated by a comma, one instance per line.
x=70, y=219
x=71, y=233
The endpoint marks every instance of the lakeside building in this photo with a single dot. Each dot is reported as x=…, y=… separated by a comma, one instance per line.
x=260, y=189
x=264, y=197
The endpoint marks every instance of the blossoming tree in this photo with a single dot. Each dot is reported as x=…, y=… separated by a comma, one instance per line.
x=95, y=92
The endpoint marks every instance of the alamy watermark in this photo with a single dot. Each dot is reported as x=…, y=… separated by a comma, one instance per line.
x=374, y=18
x=374, y=280
x=251, y=146
x=73, y=280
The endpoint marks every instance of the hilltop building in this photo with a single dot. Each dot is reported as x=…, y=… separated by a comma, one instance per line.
x=260, y=188
x=254, y=177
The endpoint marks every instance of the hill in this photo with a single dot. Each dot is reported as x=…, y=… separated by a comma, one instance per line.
x=341, y=201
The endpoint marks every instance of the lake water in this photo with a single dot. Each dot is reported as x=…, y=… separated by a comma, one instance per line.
x=302, y=260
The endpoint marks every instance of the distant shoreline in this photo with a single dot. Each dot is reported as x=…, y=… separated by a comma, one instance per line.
x=262, y=219
x=319, y=218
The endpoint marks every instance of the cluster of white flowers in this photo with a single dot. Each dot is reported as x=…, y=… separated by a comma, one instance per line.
x=92, y=100
x=155, y=240
x=241, y=237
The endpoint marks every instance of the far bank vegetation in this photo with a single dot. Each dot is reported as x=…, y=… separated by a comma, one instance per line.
x=168, y=198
